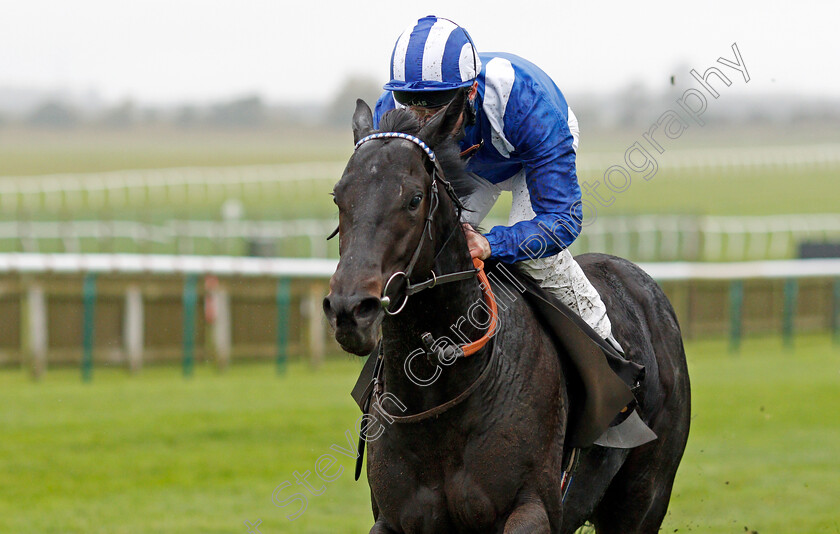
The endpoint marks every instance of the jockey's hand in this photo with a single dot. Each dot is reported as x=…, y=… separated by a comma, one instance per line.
x=478, y=244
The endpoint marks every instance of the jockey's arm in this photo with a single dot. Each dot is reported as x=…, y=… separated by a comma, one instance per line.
x=547, y=154
x=546, y=149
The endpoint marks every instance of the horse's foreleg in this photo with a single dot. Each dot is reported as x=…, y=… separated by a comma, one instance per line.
x=528, y=518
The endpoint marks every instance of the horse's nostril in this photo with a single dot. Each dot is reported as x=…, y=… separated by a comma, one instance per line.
x=344, y=311
x=368, y=306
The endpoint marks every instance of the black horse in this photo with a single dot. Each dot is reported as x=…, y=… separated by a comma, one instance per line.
x=492, y=459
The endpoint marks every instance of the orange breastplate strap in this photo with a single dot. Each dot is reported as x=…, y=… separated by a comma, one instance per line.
x=471, y=348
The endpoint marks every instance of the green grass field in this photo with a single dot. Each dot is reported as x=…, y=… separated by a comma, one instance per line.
x=34, y=152
x=157, y=453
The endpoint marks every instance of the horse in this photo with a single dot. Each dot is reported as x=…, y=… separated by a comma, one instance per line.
x=478, y=443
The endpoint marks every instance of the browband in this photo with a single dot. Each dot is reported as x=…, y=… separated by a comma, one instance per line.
x=398, y=135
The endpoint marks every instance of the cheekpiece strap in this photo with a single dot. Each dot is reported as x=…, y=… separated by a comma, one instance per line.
x=398, y=135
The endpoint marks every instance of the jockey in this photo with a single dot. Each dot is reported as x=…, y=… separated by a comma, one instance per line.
x=522, y=137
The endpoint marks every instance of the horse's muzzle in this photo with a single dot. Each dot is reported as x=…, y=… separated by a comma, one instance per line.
x=354, y=319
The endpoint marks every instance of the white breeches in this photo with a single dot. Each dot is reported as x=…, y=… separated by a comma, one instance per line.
x=560, y=274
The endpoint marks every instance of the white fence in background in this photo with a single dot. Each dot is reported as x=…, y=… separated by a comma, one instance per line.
x=707, y=238
x=305, y=268
x=322, y=269
x=642, y=237
x=789, y=156
x=122, y=283
x=177, y=237
x=132, y=187
x=200, y=184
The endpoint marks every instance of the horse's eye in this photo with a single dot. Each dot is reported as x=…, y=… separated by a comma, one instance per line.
x=415, y=201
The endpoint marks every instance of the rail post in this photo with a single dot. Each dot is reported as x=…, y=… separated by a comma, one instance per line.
x=217, y=318
x=89, y=306
x=835, y=315
x=189, y=300
x=314, y=315
x=133, y=327
x=736, y=305
x=34, y=329
x=282, y=301
x=789, y=311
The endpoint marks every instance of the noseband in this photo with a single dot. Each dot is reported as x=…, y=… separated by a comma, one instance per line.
x=434, y=202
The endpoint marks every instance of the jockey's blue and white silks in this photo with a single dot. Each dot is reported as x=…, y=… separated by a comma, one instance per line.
x=524, y=121
x=434, y=54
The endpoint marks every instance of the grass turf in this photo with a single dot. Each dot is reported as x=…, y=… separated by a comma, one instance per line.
x=33, y=152
x=157, y=453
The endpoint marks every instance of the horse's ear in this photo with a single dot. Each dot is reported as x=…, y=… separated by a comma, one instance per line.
x=362, y=120
x=446, y=123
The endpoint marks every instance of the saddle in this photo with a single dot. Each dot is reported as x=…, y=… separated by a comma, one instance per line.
x=598, y=378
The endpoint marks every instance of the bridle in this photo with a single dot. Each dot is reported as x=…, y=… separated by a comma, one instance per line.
x=434, y=202
x=375, y=388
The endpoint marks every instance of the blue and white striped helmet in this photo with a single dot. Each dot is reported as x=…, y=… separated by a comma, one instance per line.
x=433, y=55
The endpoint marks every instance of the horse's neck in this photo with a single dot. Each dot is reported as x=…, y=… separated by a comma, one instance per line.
x=441, y=311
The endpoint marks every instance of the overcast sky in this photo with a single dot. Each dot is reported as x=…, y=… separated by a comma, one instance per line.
x=178, y=50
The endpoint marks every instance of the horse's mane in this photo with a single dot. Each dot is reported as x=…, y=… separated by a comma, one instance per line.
x=400, y=120
x=448, y=152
